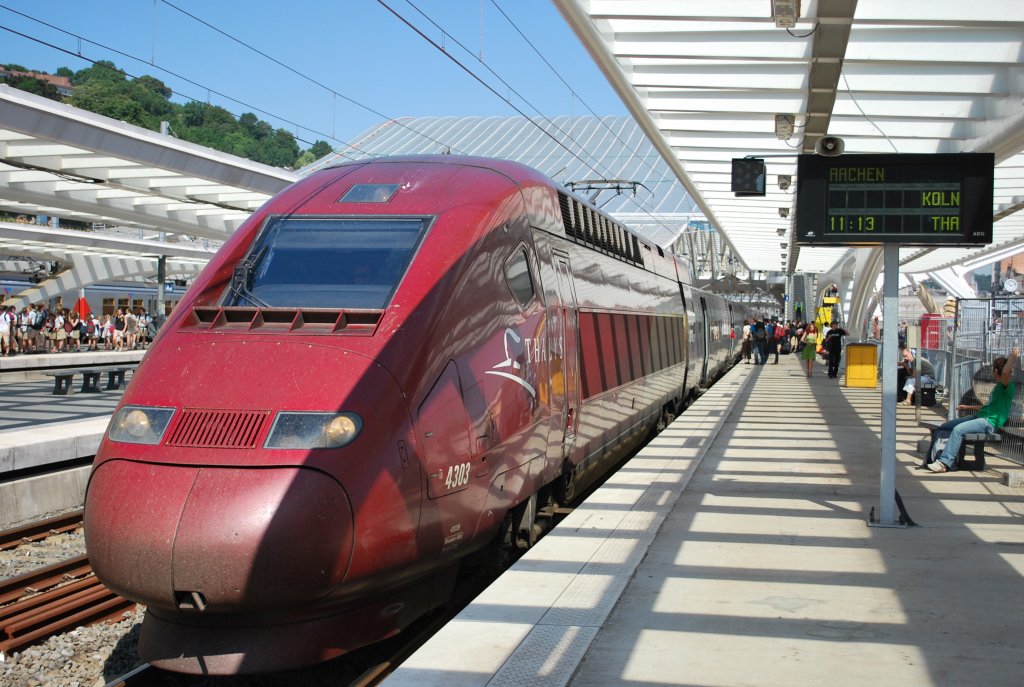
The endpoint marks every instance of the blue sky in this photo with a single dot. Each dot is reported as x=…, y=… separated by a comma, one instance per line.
x=355, y=47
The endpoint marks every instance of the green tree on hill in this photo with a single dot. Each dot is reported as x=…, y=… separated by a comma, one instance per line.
x=146, y=102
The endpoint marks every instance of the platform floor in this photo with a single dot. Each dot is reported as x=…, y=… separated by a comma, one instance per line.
x=40, y=431
x=735, y=550
x=29, y=404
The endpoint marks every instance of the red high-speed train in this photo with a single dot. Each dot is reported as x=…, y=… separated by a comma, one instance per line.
x=392, y=365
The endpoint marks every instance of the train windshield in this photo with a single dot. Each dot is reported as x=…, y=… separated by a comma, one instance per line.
x=311, y=262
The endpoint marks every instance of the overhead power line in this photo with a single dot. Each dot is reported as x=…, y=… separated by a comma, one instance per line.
x=99, y=63
x=299, y=73
x=505, y=83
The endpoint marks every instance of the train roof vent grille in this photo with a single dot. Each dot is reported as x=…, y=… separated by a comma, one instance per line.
x=567, y=220
x=283, y=320
x=198, y=428
x=590, y=228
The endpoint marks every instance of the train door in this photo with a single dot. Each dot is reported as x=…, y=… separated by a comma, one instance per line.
x=567, y=343
x=732, y=333
x=705, y=375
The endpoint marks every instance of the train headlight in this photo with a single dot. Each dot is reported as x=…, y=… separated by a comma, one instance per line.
x=314, y=430
x=140, y=425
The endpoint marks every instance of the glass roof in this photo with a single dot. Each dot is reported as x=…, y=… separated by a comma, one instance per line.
x=587, y=148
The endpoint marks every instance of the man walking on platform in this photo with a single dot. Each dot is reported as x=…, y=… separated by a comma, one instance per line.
x=759, y=338
x=834, y=348
x=780, y=335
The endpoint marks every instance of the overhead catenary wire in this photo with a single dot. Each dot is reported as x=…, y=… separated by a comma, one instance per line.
x=299, y=73
x=99, y=63
x=575, y=95
x=650, y=163
x=480, y=80
x=486, y=85
x=505, y=83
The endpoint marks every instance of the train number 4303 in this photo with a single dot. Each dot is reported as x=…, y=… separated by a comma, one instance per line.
x=458, y=476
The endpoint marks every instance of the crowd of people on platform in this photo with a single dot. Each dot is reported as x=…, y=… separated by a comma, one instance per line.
x=769, y=337
x=37, y=330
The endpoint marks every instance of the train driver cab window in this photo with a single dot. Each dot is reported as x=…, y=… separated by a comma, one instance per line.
x=326, y=262
x=518, y=277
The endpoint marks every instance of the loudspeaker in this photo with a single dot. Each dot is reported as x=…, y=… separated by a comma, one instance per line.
x=829, y=146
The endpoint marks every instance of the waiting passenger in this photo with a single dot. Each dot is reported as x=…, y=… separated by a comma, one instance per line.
x=810, y=342
x=988, y=417
x=905, y=375
x=7, y=326
x=131, y=329
x=107, y=333
x=60, y=332
x=73, y=326
x=119, y=330
x=25, y=330
x=745, y=343
x=759, y=340
x=92, y=332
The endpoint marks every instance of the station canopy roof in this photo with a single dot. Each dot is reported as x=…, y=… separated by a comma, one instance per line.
x=142, y=196
x=60, y=161
x=705, y=80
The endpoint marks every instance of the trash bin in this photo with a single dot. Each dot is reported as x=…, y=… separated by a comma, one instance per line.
x=862, y=365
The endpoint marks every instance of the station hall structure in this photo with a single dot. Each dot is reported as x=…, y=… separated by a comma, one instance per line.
x=764, y=552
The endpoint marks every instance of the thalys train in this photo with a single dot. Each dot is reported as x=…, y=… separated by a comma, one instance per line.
x=394, y=366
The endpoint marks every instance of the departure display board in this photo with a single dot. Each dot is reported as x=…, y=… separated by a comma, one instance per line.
x=912, y=200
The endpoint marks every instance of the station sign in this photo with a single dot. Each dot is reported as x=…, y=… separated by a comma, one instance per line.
x=911, y=200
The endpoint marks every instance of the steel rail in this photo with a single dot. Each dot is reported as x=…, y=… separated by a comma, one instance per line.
x=52, y=600
x=40, y=530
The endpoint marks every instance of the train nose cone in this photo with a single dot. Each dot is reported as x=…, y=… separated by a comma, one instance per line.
x=217, y=539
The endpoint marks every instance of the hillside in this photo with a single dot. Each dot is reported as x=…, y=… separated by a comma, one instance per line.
x=146, y=102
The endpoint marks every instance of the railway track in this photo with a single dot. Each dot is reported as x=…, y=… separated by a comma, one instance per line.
x=52, y=599
x=37, y=531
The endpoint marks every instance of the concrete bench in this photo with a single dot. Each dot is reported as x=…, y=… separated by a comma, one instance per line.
x=63, y=379
x=978, y=440
x=115, y=376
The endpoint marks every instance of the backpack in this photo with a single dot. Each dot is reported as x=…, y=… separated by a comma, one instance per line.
x=67, y=325
x=761, y=334
x=780, y=332
x=90, y=328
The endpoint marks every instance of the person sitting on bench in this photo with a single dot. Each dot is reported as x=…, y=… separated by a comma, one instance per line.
x=905, y=375
x=988, y=417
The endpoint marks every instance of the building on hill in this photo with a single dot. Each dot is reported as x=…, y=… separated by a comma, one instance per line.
x=61, y=83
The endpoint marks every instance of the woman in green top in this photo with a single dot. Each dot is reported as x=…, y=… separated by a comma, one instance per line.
x=988, y=417
x=810, y=341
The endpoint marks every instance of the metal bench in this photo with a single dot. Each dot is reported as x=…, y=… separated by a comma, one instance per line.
x=978, y=440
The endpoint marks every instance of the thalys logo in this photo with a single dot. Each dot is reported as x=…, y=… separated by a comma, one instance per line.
x=522, y=351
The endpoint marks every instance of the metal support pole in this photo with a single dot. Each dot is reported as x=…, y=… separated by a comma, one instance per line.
x=161, y=280
x=890, y=351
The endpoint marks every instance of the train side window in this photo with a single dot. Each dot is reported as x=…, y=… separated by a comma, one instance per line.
x=519, y=278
